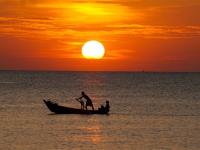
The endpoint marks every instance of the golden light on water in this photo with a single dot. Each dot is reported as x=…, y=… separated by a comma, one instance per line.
x=89, y=134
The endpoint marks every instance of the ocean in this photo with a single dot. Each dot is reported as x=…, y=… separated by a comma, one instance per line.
x=149, y=111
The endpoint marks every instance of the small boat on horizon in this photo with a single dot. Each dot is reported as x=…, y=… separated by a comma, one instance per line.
x=58, y=109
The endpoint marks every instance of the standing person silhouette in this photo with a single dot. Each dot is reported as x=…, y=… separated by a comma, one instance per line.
x=88, y=100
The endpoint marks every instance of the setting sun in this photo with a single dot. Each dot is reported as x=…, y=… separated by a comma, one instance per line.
x=93, y=50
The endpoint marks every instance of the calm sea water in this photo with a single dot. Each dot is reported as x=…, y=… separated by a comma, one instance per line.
x=149, y=111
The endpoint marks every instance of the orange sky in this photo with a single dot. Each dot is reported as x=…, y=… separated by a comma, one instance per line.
x=138, y=35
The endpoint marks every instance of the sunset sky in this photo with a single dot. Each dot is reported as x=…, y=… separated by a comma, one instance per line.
x=138, y=35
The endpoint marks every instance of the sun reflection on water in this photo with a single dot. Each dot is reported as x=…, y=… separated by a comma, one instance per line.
x=89, y=131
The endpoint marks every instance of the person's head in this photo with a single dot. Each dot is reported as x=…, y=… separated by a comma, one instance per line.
x=107, y=102
x=83, y=93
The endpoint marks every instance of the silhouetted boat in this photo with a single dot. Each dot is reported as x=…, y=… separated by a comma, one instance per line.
x=54, y=107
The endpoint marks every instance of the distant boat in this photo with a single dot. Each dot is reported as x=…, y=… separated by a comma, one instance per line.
x=55, y=108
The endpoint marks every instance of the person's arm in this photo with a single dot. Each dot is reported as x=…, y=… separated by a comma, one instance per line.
x=80, y=97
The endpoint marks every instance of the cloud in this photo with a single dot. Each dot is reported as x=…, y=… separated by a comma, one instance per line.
x=54, y=28
x=78, y=18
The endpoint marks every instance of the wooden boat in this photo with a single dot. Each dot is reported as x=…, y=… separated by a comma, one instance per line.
x=54, y=107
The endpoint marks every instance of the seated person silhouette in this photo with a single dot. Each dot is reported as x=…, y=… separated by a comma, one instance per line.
x=106, y=107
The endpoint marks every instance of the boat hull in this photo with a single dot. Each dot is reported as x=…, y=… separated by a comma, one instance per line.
x=57, y=109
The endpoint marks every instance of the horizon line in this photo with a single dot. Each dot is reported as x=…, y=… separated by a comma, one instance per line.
x=131, y=71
